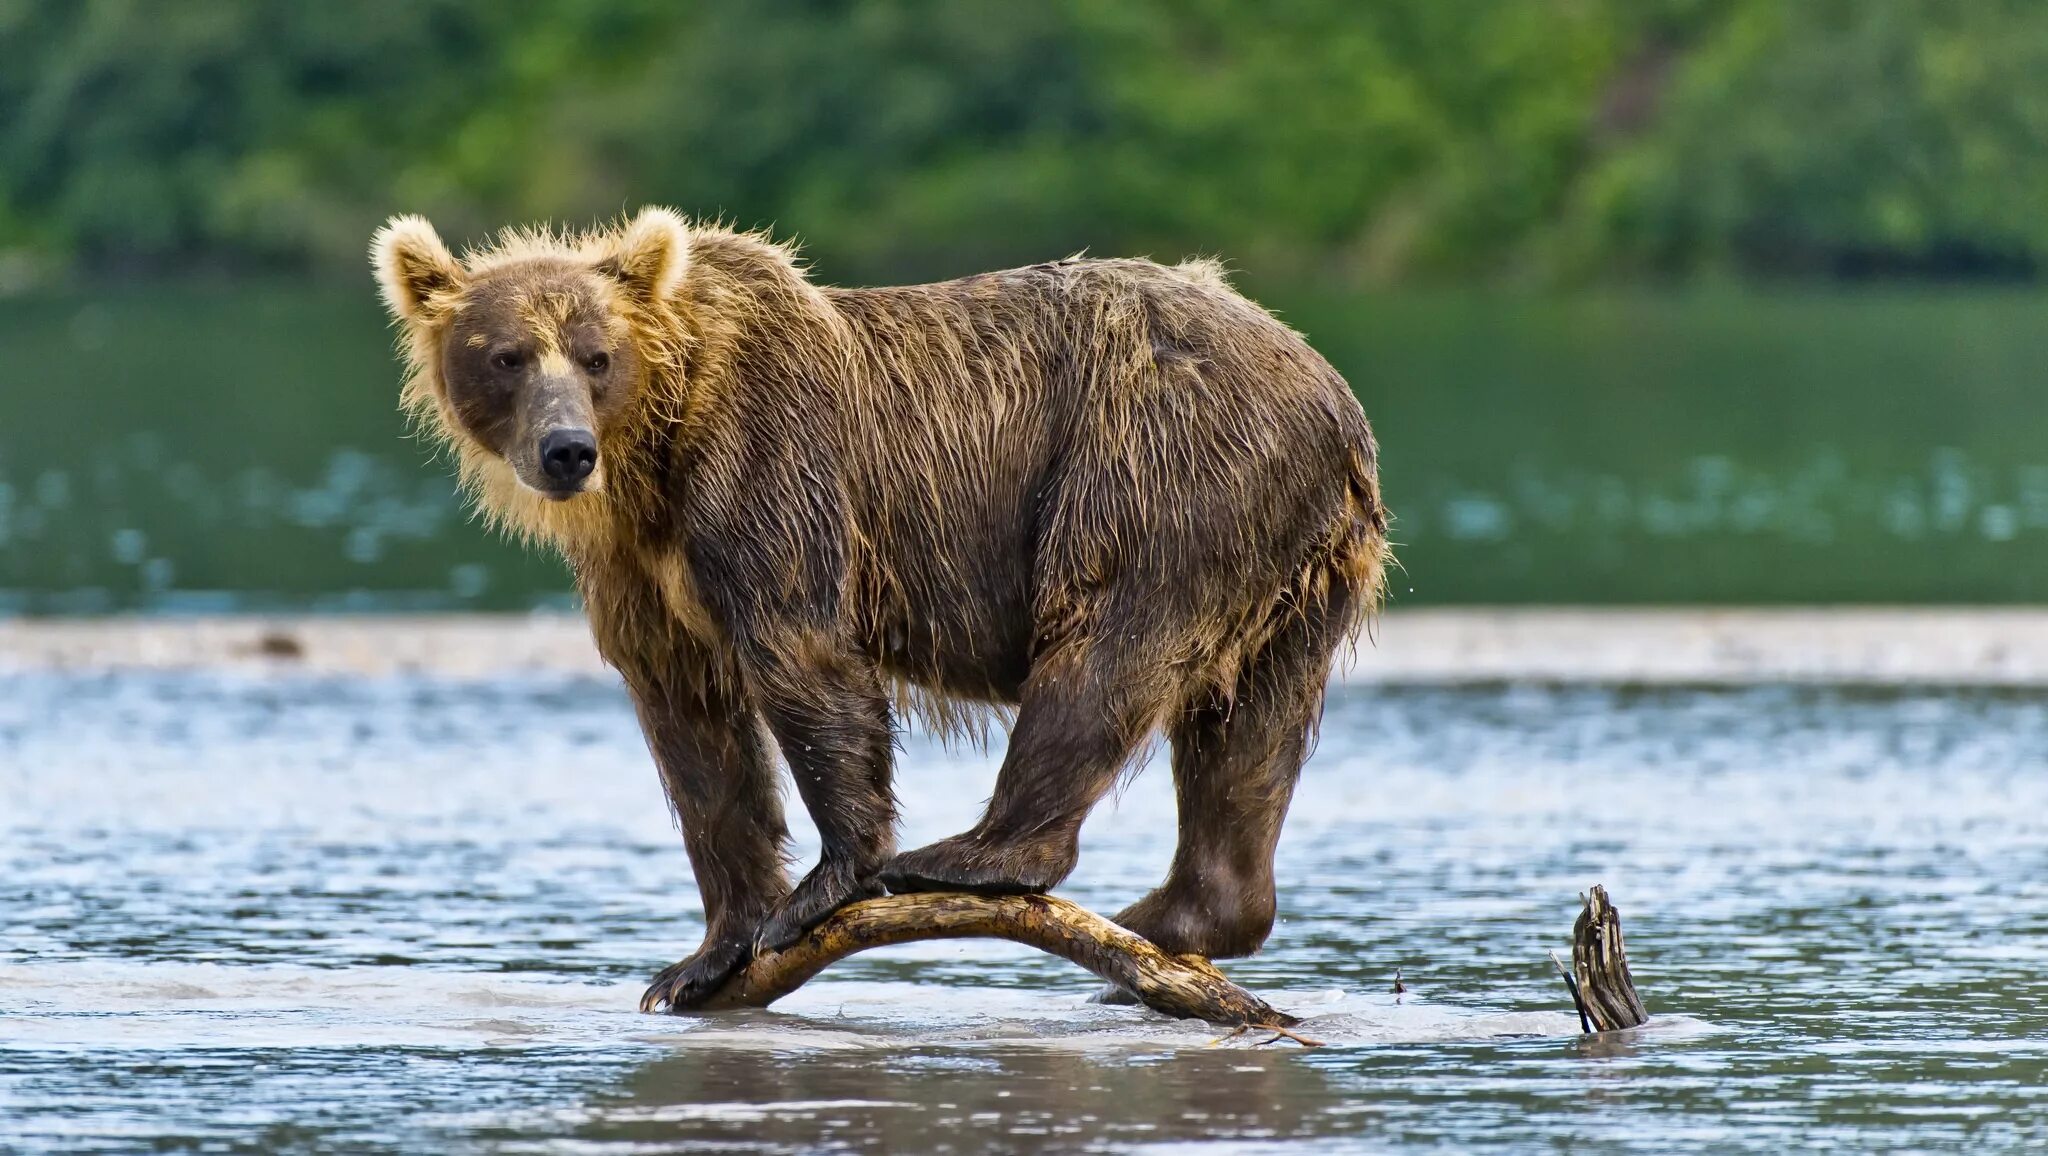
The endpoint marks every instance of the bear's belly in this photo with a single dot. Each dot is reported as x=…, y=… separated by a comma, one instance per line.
x=982, y=657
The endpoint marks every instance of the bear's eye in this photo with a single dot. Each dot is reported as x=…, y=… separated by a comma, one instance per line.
x=509, y=361
x=598, y=362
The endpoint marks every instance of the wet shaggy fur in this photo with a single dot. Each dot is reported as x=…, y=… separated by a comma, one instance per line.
x=1100, y=497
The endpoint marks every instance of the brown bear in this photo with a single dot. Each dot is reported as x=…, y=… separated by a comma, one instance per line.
x=1109, y=496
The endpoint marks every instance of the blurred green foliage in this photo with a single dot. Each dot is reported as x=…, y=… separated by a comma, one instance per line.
x=1362, y=141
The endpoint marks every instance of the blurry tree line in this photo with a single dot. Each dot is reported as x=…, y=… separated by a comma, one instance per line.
x=1356, y=140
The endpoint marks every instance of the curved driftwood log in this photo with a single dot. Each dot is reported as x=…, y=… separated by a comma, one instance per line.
x=1603, y=987
x=1185, y=987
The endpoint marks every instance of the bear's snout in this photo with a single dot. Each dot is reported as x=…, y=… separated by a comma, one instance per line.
x=567, y=456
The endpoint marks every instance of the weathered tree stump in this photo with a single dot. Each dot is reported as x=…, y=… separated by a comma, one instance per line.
x=1184, y=987
x=1181, y=986
x=1599, y=979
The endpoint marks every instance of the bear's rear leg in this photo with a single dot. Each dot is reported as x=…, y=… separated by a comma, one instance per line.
x=1235, y=765
x=1084, y=710
x=1219, y=899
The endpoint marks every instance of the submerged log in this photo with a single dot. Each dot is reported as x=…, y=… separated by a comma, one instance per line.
x=1599, y=979
x=1181, y=986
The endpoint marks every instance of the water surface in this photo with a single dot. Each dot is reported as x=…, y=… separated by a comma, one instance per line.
x=221, y=447
x=409, y=915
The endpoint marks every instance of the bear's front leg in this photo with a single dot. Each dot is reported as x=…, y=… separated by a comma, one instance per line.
x=827, y=711
x=720, y=778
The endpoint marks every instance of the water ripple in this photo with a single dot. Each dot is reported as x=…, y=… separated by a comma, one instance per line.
x=404, y=915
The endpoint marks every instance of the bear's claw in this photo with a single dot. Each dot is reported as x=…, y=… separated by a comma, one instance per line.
x=681, y=986
x=825, y=890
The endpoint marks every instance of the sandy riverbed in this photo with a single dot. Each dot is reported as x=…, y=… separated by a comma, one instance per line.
x=1883, y=646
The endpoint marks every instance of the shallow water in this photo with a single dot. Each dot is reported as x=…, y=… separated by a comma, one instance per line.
x=410, y=915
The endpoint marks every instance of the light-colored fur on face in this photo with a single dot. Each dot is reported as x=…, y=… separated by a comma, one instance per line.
x=631, y=272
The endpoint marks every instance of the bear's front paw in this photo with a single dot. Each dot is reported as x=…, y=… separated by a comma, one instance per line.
x=682, y=986
x=829, y=887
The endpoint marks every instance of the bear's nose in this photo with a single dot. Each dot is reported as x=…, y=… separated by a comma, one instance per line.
x=568, y=455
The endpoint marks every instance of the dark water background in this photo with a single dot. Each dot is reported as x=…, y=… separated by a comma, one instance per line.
x=244, y=914
x=215, y=448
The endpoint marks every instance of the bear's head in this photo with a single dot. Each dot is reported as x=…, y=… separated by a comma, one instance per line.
x=528, y=355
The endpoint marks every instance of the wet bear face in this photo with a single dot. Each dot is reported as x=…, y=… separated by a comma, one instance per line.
x=529, y=351
x=532, y=366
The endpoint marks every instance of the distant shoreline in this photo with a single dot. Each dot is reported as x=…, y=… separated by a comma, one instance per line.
x=1879, y=646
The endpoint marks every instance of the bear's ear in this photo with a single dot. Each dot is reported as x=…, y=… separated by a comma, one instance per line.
x=650, y=257
x=413, y=267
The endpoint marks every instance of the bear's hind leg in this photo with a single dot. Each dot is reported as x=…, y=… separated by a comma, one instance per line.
x=1235, y=765
x=1083, y=712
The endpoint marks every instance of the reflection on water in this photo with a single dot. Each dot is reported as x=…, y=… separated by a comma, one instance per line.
x=221, y=448
x=1947, y=496
x=406, y=915
x=362, y=501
